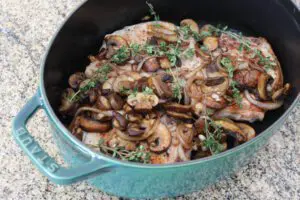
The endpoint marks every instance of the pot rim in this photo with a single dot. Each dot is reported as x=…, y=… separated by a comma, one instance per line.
x=66, y=133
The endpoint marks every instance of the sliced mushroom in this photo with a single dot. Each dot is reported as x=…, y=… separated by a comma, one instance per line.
x=232, y=129
x=91, y=125
x=143, y=107
x=134, y=117
x=211, y=43
x=248, y=130
x=76, y=79
x=161, y=88
x=135, y=131
x=205, y=29
x=127, y=108
x=185, y=134
x=143, y=102
x=190, y=23
x=278, y=95
x=107, y=86
x=164, y=63
x=193, y=88
x=67, y=106
x=198, y=108
x=200, y=53
x=176, y=107
x=183, y=116
x=160, y=140
x=163, y=30
x=119, y=121
x=123, y=81
x=102, y=103
x=276, y=74
x=86, y=87
x=287, y=89
x=262, y=86
x=214, y=101
x=113, y=44
x=116, y=101
x=93, y=94
x=215, y=85
x=104, y=116
x=151, y=65
x=150, y=127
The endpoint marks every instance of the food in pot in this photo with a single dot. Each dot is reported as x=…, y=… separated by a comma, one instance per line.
x=161, y=93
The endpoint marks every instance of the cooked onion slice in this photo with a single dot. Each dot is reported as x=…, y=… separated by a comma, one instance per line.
x=264, y=105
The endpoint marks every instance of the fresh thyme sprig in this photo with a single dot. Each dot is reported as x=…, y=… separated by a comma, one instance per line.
x=152, y=11
x=133, y=92
x=246, y=44
x=213, y=136
x=139, y=155
x=226, y=62
x=187, y=32
x=121, y=55
x=99, y=77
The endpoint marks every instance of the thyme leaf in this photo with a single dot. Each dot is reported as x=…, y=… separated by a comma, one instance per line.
x=99, y=77
x=121, y=55
x=226, y=62
x=213, y=136
x=139, y=155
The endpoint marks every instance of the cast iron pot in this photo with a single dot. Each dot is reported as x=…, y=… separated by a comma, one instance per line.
x=81, y=35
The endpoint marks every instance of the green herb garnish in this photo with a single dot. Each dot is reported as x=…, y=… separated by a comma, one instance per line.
x=121, y=55
x=153, y=13
x=147, y=91
x=226, y=62
x=139, y=155
x=135, y=48
x=99, y=77
x=187, y=33
x=236, y=93
x=265, y=61
x=213, y=136
x=189, y=53
x=133, y=93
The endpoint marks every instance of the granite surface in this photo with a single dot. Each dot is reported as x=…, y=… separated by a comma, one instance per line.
x=26, y=28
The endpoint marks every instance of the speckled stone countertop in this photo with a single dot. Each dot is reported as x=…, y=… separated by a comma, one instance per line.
x=25, y=30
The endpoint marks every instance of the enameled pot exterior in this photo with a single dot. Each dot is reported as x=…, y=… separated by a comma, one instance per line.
x=131, y=179
x=165, y=182
x=128, y=179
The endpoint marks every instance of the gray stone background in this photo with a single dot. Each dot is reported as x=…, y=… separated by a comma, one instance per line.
x=26, y=27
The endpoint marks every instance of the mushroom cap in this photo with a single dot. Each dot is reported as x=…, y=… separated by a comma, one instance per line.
x=161, y=139
x=190, y=23
x=113, y=44
x=248, y=130
x=91, y=125
x=163, y=30
x=232, y=129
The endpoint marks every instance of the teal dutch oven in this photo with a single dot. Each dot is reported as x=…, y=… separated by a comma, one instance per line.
x=81, y=35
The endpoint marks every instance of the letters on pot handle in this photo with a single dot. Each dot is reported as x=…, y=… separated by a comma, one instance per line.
x=42, y=160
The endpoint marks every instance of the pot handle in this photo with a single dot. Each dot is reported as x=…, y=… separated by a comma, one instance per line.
x=42, y=160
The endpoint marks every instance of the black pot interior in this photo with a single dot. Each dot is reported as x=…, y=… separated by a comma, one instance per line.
x=277, y=20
